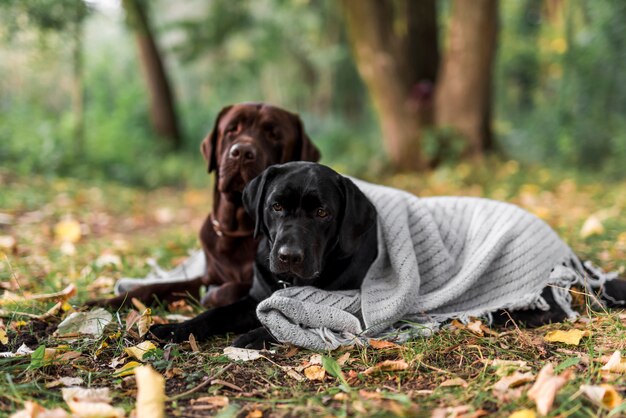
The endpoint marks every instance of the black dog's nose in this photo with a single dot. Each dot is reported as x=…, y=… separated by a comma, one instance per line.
x=242, y=151
x=289, y=255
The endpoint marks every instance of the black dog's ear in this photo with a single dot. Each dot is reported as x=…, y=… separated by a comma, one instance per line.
x=254, y=197
x=358, y=217
x=209, y=144
x=305, y=150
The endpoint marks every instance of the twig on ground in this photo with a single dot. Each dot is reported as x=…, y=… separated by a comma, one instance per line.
x=201, y=385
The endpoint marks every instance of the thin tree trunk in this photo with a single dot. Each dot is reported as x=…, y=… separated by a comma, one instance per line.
x=463, y=99
x=396, y=51
x=78, y=92
x=162, y=110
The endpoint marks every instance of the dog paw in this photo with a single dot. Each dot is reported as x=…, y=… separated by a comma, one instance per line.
x=257, y=339
x=169, y=332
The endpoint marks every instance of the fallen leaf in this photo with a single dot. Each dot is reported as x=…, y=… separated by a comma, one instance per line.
x=140, y=349
x=91, y=403
x=523, y=413
x=34, y=410
x=543, y=392
x=193, y=343
x=292, y=373
x=150, y=393
x=457, y=381
x=343, y=358
x=571, y=337
x=7, y=242
x=516, y=379
x=615, y=364
x=67, y=230
x=604, y=395
x=4, y=340
x=84, y=324
x=108, y=259
x=63, y=295
x=383, y=345
x=213, y=401
x=592, y=226
x=127, y=369
x=315, y=373
x=145, y=322
x=315, y=359
x=256, y=413
x=476, y=328
x=243, y=354
x=388, y=366
x=451, y=412
x=66, y=381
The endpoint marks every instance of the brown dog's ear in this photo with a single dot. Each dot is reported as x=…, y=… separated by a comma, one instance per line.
x=305, y=150
x=359, y=216
x=254, y=196
x=208, y=147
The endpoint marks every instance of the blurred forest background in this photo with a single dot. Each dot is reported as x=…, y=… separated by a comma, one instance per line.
x=126, y=90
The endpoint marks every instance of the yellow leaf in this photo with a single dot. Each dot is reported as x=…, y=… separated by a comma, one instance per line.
x=453, y=382
x=127, y=369
x=523, y=413
x=604, y=395
x=571, y=337
x=144, y=323
x=315, y=372
x=255, y=414
x=615, y=364
x=67, y=230
x=34, y=410
x=140, y=349
x=150, y=393
x=592, y=226
x=4, y=340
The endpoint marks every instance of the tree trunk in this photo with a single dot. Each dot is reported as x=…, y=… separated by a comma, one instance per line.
x=162, y=110
x=463, y=99
x=78, y=89
x=395, y=47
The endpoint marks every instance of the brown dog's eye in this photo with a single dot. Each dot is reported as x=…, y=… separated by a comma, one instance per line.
x=231, y=129
x=321, y=213
x=277, y=207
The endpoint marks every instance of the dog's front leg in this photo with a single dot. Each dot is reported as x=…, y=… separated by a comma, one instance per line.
x=238, y=318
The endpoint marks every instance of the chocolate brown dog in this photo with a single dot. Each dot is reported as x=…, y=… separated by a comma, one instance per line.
x=246, y=139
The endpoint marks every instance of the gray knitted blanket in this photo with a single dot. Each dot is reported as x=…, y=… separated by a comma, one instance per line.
x=438, y=258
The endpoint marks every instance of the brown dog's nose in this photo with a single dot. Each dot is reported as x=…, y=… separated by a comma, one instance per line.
x=289, y=255
x=242, y=151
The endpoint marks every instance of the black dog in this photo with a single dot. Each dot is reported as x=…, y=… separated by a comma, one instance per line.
x=319, y=230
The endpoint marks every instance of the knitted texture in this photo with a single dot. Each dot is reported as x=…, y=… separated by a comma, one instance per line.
x=438, y=258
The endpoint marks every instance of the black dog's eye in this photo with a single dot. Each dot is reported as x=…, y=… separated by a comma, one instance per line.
x=272, y=134
x=277, y=207
x=321, y=213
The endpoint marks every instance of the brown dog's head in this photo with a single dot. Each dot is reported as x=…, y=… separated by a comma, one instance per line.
x=249, y=137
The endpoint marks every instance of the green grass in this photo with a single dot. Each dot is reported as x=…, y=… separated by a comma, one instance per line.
x=136, y=224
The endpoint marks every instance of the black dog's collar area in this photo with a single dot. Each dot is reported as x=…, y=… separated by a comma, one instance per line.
x=284, y=283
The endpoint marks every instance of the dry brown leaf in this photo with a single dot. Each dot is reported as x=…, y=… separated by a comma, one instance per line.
x=193, y=343
x=343, y=358
x=315, y=372
x=543, y=392
x=615, y=364
x=315, y=359
x=571, y=337
x=388, y=366
x=144, y=323
x=516, y=379
x=91, y=403
x=213, y=401
x=65, y=294
x=451, y=412
x=7, y=242
x=523, y=413
x=604, y=395
x=4, y=339
x=457, y=381
x=150, y=393
x=65, y=381
x=293, y=374
x=383, y=345
x=476, y=328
